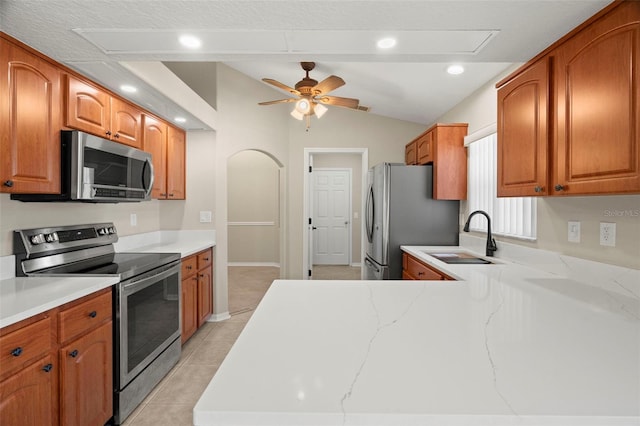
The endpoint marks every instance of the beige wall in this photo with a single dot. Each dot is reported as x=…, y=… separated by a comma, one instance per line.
x=253, y=181
x=353, y=162
x=480, y=110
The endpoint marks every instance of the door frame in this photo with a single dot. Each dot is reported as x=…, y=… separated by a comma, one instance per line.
x=349, y=209
x=306, y=210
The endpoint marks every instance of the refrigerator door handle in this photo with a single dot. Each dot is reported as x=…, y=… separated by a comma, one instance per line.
x=370, y=264
x=369, y=219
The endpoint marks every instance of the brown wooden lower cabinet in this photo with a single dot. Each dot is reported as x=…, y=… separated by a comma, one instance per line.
x=86, y=382
x=57, y=367
x=415, y=269
x=29, y=396
x=197, y=291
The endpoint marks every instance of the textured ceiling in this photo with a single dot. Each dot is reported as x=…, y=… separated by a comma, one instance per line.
x=268, y=38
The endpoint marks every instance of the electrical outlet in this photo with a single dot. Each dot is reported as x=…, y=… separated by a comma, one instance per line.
x=206, y=216
x=134, y=219
x=573, y=232
x=607, y=234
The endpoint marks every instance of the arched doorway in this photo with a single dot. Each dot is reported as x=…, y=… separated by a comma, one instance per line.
x=254, y=226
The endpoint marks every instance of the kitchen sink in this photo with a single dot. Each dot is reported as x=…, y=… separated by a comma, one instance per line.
x=460, y=258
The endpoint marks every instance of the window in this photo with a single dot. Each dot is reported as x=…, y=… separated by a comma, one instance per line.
x=512, y=216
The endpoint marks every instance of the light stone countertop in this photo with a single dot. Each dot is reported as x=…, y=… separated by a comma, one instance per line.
x=507, y=344
x=22, y=297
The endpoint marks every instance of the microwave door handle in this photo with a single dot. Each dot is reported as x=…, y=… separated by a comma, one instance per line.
x=149, y=163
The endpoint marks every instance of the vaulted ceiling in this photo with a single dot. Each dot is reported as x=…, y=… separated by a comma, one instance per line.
x=269, y=38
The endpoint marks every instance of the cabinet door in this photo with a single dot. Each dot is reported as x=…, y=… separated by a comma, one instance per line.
x=86, y=381
x=410, y=154
x=189, y=307
x=205, y=294
x=28, y=398
x=30, y=122
x=155, y=143
x=126, y=123
x=425, y=148
x=523, y=135
x=88, y=108
x=176, y=153
x=598, y=130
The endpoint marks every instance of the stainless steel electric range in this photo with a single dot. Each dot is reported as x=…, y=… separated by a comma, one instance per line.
x=146, y=302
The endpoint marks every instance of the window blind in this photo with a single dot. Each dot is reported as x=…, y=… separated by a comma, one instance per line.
x=511, y=216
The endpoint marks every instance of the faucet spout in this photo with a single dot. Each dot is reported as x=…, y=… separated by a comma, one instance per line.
x=491, y=243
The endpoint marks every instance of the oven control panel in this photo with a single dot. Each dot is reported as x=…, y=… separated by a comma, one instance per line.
x=52, y=239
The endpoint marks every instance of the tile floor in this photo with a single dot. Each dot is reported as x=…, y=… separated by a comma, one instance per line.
x=171, y=402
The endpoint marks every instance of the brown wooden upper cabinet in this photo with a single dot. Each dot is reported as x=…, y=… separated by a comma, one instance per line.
x=30, y=120
x=411, y=153
x=176, y=163
x=443, y=146
x=93, y=110
x=167, y=147
x=155, y=142
x=568, y=120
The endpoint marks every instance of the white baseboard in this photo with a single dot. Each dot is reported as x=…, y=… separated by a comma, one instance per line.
x=273, y=264
x=219, y=317
x=356, y=265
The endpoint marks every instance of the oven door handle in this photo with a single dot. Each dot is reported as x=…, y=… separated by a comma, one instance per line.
x=138, y=283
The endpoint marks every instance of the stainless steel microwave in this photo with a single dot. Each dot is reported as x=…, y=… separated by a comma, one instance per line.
x=98, y=170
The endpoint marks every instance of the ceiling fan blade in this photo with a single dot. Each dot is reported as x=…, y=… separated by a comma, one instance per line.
x=281, y=86
x=328, y=84
x=338, y=101
x=279, y=101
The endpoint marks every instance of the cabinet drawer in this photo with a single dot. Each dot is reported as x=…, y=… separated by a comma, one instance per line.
x=85, y=316
x=24, y=345
x=421, y=271
x=189, y=266
x=205, y=258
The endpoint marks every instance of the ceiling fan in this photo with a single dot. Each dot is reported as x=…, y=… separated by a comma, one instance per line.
x=311, y=96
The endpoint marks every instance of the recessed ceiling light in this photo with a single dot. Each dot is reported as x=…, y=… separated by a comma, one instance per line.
x=128, y=88
x=386, y=43
x=180, y=120
x=455, y=69
x=192, y=42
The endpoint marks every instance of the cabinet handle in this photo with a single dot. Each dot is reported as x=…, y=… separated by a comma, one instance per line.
x=117, y=135
x=201, y=275
x=93, y=314
x=206, y=259
x=170, y=195
x=189, y=267
x=73, y=353
x=420, y=273
x=47, y=368
x=8, y=183
x=108, y=132
x=17, y=351
x=559, y=187
x=163, y=195
x=538, y=189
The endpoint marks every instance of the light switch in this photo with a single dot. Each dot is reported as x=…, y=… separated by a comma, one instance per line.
x=574, y=232
x=205, y=216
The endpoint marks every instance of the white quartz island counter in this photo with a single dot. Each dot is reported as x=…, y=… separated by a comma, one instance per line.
x=505, y=345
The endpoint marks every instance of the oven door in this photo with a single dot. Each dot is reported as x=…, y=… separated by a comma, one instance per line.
x=148, y=319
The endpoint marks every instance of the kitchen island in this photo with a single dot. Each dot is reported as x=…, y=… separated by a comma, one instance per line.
x=505, y=345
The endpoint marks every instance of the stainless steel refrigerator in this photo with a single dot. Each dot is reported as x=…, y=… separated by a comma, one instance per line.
x=399, y=211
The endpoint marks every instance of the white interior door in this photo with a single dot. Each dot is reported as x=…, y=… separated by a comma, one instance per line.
x=331, y=216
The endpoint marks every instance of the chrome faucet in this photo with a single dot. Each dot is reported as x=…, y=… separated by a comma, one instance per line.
x=491, y=243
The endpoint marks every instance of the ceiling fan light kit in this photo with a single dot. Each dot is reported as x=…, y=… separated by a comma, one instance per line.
x=311, y=96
